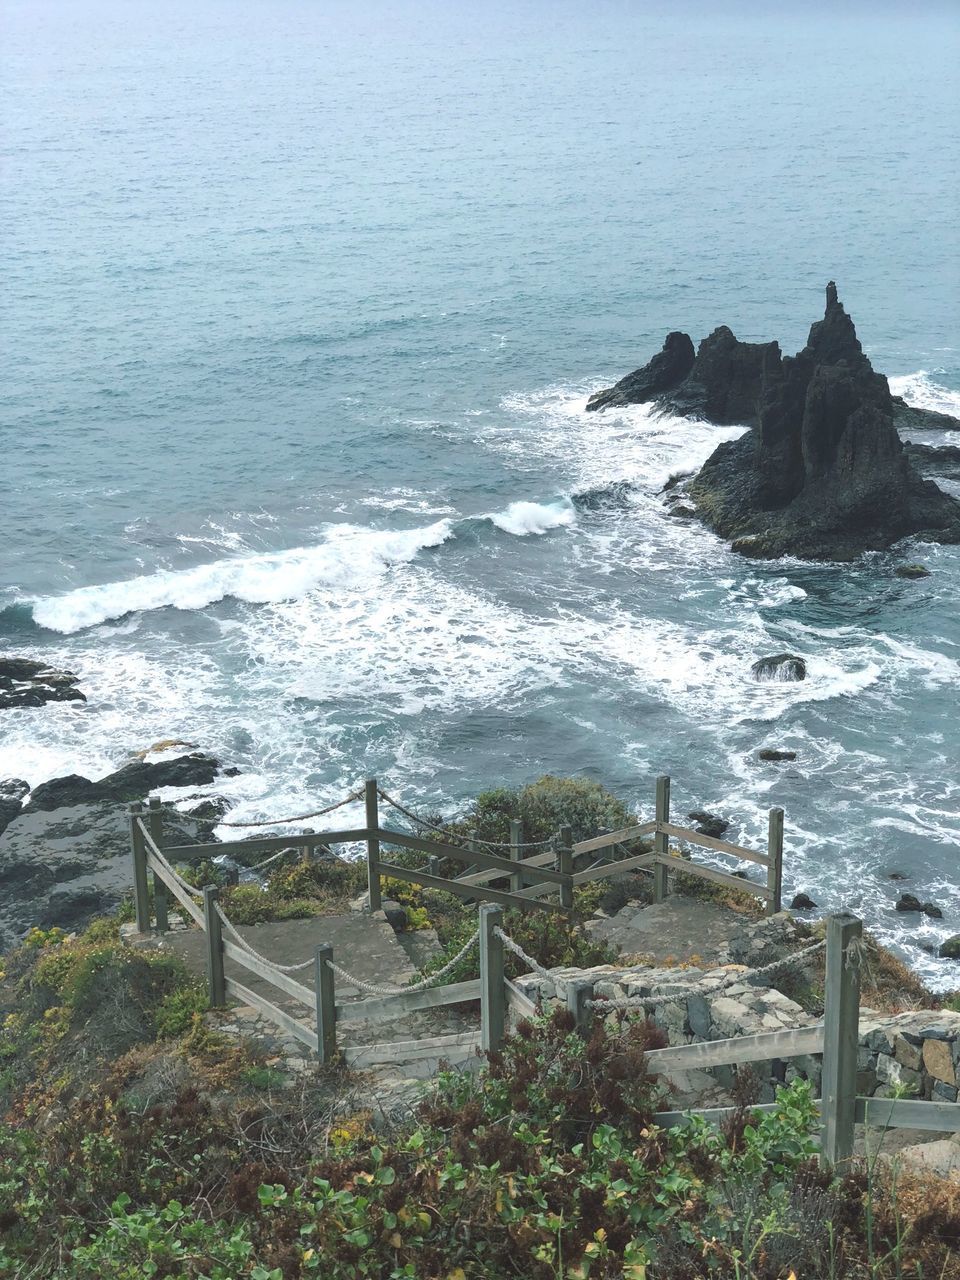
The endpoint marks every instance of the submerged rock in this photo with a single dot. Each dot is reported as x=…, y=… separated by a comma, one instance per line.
x=780, y=666
x=26, y=683
x=775, y=755
x=802, y=902
x=708, y=824
x=912, y=571
x=950, y=950
x=666, y=370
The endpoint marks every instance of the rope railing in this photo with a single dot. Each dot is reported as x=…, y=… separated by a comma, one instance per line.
x=242, y=942
x=534, y=965
x=611, y=1005
x=272, y=822
x=428, y=981
x=428, y=825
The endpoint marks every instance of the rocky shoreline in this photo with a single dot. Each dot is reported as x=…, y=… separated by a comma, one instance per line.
x=65, y=844
x=821, y=473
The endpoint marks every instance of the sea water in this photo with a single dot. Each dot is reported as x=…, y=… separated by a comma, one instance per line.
x=302, y=303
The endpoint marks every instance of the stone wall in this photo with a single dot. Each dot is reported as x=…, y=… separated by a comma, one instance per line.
x=920, y=1050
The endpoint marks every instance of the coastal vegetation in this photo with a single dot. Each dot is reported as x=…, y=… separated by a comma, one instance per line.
x=140, y=1139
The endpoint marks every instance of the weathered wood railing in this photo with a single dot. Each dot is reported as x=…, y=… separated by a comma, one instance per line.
x=836, y=1038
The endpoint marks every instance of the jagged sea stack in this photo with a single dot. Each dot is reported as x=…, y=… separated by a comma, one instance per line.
x=823, y=473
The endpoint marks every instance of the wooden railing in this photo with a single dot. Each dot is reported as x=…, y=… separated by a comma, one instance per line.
x=836, y=1038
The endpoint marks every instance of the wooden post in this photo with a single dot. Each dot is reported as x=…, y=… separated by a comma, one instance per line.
x=578, y=992
x=841, y=1020
x=373, y=843
x=433, y=865
x=155, y=827
x=326, y=1004
x=516, y=853
x=214, y=935
x=565, y=865
x=138, y=853
x=661, y=841
x=492, y=990
x=775, y=854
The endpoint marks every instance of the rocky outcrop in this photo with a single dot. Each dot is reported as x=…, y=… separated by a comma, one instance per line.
x=65, y=867
x=823, y=474
x=26, y=683
x=774, y=755
x=708, y=824
x=908, y=417
x=780, y=666
x=132, y=782
x=942, y=460
x=666, y=370
x=726, y=380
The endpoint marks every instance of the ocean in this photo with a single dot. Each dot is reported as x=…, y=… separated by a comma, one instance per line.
x=302, y=303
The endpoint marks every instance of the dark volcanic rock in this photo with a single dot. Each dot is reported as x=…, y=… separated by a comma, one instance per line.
x=803, y=903
x=780, y=666
x=12, y=791
x=64, y=868
x=909, y=902
x=823, y=474
x=132, y=782
x=726, y=380
x=25, y=683
x=665, y=371
x=907, y=417
x=708, y=824
x=774, y=755
x=941, y=461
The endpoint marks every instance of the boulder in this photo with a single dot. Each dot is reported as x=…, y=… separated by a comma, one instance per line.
x=802, y=902
x=708, y=824
x=822, y=474
x=12, y=791
x=912, y=571
x=132, y=782
x=666, y=370
x=775, y=755
x=780, y=666
x=26, y=683
x=909, y=902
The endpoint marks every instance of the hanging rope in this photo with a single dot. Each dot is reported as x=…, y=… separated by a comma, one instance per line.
x=242, y=942
x=271, y=822
x=515, y=947
x=415, y=986
x=426, y=825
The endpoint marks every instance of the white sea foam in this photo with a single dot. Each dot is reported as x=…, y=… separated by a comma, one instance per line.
x=523, y=518
x=347, y=557
x=923, y=391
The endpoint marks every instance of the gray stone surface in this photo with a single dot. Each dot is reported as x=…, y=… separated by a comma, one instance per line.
x=65, y=866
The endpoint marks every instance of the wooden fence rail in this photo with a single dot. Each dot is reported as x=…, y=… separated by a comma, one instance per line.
x=836, y=1038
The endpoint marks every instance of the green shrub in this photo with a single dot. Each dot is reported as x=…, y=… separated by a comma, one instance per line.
x=179, y=1007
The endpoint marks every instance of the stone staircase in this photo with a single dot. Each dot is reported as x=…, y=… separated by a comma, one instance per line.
x=365, y=945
